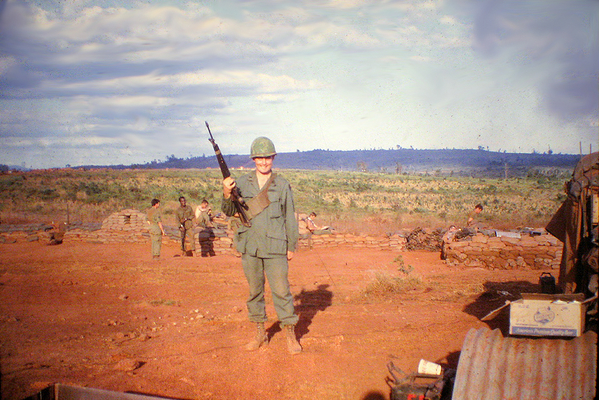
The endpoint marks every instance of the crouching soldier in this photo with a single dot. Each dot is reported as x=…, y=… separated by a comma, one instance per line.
x=57, y=233
x=268, y=244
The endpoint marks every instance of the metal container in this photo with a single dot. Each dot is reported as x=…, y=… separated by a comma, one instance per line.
x=494, y=367
x=547, y=282
x=67, y=392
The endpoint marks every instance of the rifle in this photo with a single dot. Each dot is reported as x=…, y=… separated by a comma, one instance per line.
x=238, y=201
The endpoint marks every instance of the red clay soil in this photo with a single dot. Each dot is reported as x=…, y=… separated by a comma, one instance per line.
x=109, y=317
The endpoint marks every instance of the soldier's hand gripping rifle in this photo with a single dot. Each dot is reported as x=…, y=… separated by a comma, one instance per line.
x=238, y=201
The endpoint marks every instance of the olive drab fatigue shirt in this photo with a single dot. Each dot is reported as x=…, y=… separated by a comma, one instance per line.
x=154, y=216
x=184, y=214
x=274, y=231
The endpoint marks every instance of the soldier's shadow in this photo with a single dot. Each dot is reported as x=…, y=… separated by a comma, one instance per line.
x=206, y=238
x=309, y=303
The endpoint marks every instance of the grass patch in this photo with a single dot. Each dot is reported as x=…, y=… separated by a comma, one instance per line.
x=351, y=202
x=164, y=302
x=401, y=265
x=445, y=292
x=386, y=284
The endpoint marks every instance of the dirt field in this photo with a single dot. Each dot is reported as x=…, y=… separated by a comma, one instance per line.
x=108, y=317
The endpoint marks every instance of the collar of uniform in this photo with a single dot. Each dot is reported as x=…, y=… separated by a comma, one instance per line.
x=254, y=179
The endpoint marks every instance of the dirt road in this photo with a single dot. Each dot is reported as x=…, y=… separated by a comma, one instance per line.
x=108, y=317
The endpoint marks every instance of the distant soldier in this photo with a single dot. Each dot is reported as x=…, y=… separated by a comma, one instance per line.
x=206, y=234
x=57, y=233
x=302, y=224
x=448, y=237
x=204, y=214
x=184, y=216
x=472, y=221
x=156, y=229
x=314, y=228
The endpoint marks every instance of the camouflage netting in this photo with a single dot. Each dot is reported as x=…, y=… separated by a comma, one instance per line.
x=424, y=239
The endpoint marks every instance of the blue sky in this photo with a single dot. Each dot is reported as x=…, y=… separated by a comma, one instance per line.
x=95, y=82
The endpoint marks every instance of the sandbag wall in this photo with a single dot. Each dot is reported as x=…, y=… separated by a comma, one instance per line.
x=380, y=242
x=525, y=252
x=492, y=252
x=126, y=226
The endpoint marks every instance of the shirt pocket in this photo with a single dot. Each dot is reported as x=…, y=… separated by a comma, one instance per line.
x=275, y=234
x=276, y=222
x=275, y=208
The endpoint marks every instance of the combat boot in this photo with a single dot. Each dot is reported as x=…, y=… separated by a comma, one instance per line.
x=259, y=339
x=292, y=344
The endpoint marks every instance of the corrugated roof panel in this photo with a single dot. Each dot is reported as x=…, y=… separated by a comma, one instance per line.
x=493, y=367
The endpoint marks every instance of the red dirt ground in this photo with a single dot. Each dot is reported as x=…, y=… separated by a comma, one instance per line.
x=108, y=317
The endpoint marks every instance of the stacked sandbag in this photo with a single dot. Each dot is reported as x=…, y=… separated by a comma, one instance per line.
x=526, y=251
x=127, y=225
x=381, y=242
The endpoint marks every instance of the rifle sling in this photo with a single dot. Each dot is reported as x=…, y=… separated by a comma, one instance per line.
x=259, y=203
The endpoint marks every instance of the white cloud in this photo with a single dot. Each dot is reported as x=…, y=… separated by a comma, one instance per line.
x=69, y=142
x=420, y=58
x=448, y=20
x=316, y=74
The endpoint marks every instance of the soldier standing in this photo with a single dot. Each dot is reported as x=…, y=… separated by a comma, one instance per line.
x=206, y=234
x=268, y=244
x=156, y=229
x=184, y=216
x=204, y=214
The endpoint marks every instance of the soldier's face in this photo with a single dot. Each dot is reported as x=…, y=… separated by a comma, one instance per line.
x=183, y=202
x=264, y=164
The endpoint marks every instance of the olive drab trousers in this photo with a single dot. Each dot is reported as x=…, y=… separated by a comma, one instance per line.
x=156, y=239
x=275, y=270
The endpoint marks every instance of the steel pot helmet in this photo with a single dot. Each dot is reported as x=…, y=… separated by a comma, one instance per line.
x=262, y=147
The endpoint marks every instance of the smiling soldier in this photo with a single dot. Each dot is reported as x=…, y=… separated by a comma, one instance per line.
x=268, y=244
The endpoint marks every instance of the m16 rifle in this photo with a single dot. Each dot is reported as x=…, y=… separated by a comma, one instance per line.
x=238, y=201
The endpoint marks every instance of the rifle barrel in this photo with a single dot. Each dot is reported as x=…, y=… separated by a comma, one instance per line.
x=210, y=133
x=219, y=156
x=237, y=199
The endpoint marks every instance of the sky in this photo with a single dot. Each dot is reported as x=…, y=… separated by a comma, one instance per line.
x=96, y=82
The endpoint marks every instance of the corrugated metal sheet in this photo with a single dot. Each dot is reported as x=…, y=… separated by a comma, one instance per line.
x=67, y=392
x=493, y=367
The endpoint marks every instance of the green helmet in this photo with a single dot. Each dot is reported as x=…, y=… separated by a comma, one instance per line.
x=262, y=147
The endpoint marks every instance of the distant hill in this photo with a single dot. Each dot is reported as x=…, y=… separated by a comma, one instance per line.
x=440, y=162
x=5, y=168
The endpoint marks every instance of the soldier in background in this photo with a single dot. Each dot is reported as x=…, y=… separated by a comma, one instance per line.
x=156, y=229
x=205, y=229
x=184, y=216
x=472, y=221
x=304, y=232
x=314, y=228
x=204, y=214
x=448, y=237
x=57, y=233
